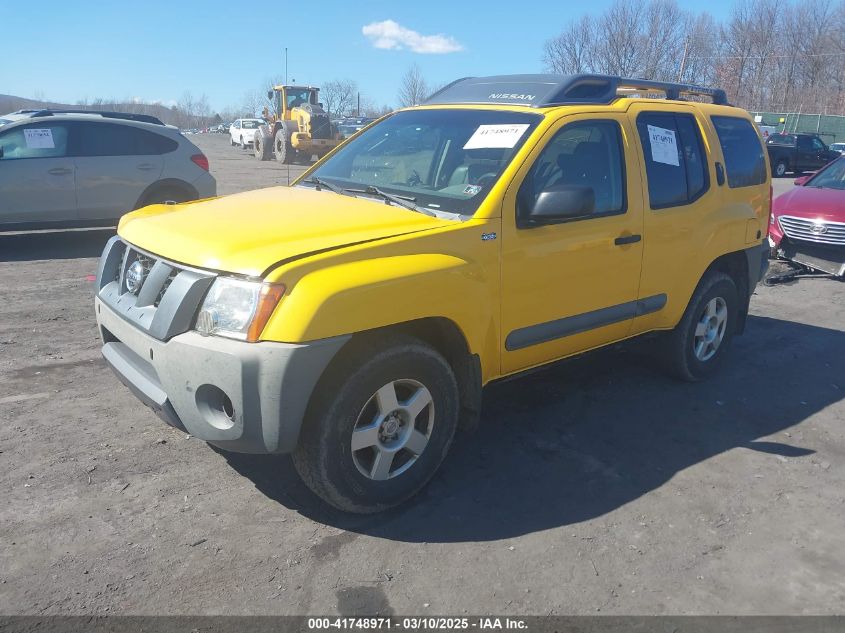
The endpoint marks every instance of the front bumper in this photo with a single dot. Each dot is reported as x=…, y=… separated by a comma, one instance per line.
x=826, y=258
x=242, y=397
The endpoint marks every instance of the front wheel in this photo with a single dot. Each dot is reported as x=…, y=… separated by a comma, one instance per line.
x=781, y=168
x=694, y=350
x=379, y=426
x=261, y=147
x=282, y=147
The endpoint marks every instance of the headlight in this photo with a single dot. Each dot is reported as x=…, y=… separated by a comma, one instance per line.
x=238, y=309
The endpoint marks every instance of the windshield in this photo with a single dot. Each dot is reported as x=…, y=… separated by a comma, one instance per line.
x=832, y=177
x=444, y=160
x=251, y=124
x=297, y=97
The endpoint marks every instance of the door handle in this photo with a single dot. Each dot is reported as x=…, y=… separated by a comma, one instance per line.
x=59, y=171
x=627, y=239
x=145, y=167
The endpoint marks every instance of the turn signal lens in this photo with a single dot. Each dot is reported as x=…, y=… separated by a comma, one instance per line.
x=269, y=296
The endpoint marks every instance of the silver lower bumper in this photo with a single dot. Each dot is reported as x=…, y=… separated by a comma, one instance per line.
x=243, y=397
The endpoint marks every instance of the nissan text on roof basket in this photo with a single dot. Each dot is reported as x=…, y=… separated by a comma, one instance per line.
x=353, y=318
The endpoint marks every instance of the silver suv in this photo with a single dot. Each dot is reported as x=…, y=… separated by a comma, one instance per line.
x=63, y=168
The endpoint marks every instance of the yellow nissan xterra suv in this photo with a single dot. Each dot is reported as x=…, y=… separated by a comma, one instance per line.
x=353, y=318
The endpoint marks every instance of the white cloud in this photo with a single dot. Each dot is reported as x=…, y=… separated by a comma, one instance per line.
x=391, y=35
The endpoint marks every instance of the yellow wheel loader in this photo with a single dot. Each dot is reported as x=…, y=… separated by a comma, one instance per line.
x=297, y=126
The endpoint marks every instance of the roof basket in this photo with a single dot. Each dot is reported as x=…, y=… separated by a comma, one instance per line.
x=541, y=91
x=128, y=116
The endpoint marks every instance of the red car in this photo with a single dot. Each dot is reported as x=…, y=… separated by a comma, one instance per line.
x=807, y=225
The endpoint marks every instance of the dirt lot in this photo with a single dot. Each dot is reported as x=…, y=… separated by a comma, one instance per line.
x=598, y=485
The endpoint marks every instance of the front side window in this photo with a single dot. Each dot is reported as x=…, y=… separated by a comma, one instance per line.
x=443, y=160
x=296, y=98
x=36, y=140
x=818, y=145
x=582, y=154
x=744, y=161
x=674, y=158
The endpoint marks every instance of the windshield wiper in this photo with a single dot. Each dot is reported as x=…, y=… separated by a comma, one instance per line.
x=319, y=184
x=402, y=201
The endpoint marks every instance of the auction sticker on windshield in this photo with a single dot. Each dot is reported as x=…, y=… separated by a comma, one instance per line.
x=39, y=139
x=664, y=148
x=501, y=136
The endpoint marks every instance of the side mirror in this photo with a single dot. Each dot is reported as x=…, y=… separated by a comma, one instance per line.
x=270, y=95
x=321, y=105
x=802, y=180
x=560, y=203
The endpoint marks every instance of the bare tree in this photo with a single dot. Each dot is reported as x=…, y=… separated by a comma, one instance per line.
x=573, y=50
x=413, y=88
x=339, y=96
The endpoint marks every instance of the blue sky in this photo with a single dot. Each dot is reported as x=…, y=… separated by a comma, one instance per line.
x=156, y=49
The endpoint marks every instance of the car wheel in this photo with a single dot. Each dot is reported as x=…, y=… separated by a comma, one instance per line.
x=781, y=168
x=694, y=350
x=232, y=141
x=379, y=426
x=242, y=144
x=281, y=147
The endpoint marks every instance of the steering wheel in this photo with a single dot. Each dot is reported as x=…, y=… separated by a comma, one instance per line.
x=485, y=179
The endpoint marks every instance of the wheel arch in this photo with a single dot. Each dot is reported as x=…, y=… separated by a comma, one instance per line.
x=165, y=183
x=735, y=266
x=440, y=333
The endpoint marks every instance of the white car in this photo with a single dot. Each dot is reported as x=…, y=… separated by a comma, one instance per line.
x=242, y=131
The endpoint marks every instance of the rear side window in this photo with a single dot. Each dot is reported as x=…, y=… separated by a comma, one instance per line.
x=108, y=139
x=674, y=158
x=743, y=152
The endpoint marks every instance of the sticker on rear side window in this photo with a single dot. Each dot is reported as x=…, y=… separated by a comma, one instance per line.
x=39, y=139
x=496, y=136
x=664, y=146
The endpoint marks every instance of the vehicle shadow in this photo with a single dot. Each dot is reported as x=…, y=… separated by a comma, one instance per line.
x=589, y=435
x=36, y=245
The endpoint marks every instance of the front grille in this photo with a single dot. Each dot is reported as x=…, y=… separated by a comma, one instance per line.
x=820, y=232
x=321, y=127
x=165, y=301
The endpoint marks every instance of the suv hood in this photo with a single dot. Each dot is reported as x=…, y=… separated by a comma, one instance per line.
x=813, y=203
x=248, y=233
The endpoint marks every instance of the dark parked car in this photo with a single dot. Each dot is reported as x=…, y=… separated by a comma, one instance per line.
x=797, y=153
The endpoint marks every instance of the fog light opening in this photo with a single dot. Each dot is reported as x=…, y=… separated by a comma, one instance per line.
x=216, y=407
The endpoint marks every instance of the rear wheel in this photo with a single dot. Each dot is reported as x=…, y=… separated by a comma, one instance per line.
x=282, y=147
x=379, y=427
x=781, y=168
x=694, y=350
x=232, y=141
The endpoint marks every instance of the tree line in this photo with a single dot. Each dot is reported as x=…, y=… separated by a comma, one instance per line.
x=768, y=55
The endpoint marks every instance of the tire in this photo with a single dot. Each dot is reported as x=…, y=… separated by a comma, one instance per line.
x=167, y=194
x=261, y=148
x=242, y=144
x=232, y=141
x=282, y=148
x=714, y=308
x=370, y=479
x=781, y=167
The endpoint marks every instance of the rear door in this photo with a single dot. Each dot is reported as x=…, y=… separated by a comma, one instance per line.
x=37, y=181
x=679, y=206
x=114, y=165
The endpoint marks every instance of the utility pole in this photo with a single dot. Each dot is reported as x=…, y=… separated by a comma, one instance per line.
x=286, y=64
x=359, y=104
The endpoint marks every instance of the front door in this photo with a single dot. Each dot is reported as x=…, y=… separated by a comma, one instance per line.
x=572, y=285
x=37, y=180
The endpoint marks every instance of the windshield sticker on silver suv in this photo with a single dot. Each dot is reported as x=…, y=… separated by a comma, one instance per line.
x=39, y=139
x=664, y=148
x=502, y=136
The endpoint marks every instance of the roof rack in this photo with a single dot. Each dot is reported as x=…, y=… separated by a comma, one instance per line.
x=128, y=116
x=542, y=91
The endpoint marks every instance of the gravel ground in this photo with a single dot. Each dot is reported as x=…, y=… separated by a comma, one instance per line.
x=597, y=485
